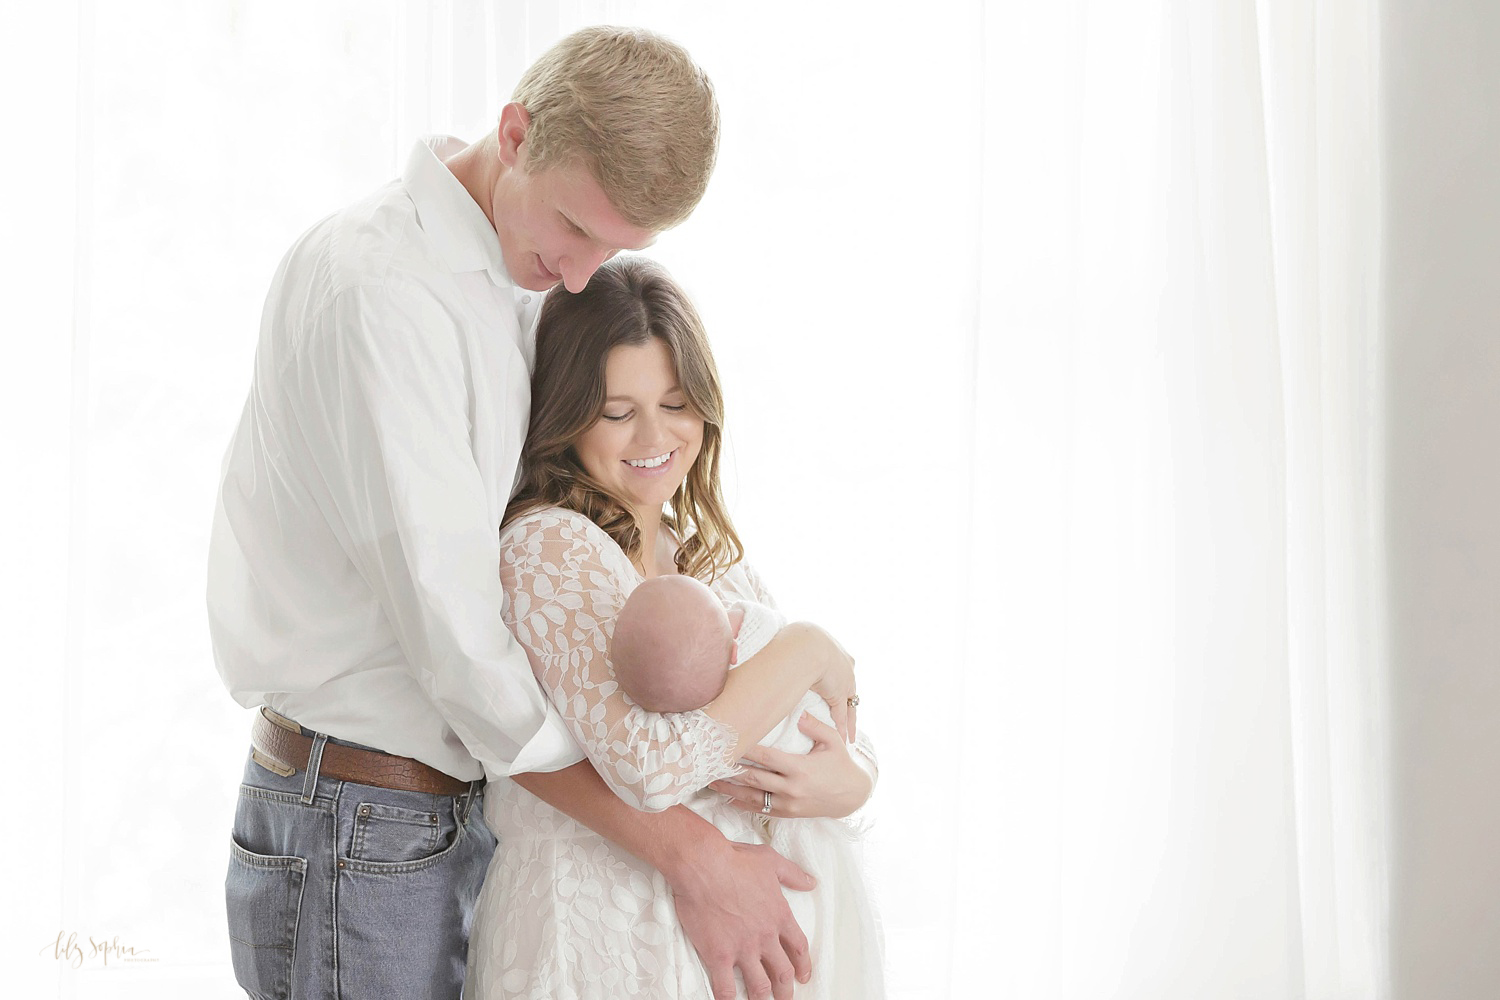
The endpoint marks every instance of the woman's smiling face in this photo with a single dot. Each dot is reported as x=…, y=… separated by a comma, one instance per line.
x=647, y=437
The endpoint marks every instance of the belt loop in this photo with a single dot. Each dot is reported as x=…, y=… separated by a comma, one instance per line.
x=468, y=800
x=314, y=765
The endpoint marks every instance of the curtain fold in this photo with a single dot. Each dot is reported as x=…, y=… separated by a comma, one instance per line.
x=1174, y=677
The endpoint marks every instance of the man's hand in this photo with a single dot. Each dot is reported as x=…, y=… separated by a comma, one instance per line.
x=729, y=902
x=728, y=895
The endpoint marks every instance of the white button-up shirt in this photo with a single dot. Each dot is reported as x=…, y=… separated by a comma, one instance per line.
x=353, y=579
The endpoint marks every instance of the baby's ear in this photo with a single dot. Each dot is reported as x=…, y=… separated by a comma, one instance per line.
x=734, y=652
x=736, y=619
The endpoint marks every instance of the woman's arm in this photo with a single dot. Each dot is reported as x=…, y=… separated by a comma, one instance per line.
x=833, y=778
x=761, y=691
x=566, y=582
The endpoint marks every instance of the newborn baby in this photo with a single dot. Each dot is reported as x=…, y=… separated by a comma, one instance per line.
x=672, y=649
x=674, y=642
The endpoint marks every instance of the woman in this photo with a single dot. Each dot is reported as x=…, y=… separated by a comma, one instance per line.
x=626, y=418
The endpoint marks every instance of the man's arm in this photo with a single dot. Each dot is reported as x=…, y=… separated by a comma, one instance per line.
x=728, y=895
x=379, y=394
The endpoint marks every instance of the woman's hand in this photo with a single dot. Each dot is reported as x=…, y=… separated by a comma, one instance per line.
x=826, y=781
x=835, y=685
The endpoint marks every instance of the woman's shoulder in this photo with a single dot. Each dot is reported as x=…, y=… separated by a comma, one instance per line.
x=537, y=532
x=557, y=521
x=738, y=583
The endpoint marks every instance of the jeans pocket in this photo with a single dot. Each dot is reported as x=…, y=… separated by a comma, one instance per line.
x=403, y=926
x=264, y=900
x=387, y=833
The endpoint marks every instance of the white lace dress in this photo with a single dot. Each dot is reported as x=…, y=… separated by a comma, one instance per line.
x=837, y=915
x=563, y=914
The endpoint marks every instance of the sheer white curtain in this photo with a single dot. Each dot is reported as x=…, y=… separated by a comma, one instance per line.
x=1048, y=342
x=1173, y=683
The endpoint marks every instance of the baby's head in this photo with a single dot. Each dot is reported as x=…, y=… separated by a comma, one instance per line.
x=673, y=645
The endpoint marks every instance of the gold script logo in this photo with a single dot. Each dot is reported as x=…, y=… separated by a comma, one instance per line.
x=77, y=950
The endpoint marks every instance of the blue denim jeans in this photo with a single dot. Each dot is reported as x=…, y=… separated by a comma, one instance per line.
x=341, y=890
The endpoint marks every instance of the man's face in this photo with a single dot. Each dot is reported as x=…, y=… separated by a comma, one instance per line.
x=557, y=225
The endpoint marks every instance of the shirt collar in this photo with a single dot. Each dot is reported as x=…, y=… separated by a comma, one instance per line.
x=448, y=214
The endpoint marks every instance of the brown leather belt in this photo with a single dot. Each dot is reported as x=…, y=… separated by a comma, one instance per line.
x=286, y=751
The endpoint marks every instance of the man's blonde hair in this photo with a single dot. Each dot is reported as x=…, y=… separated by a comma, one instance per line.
x=635, y=109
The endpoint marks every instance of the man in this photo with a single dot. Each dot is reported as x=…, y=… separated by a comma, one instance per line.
x=353, y=588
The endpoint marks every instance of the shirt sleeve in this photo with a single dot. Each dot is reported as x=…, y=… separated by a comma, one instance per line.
x=378, y=388
x=566, y=582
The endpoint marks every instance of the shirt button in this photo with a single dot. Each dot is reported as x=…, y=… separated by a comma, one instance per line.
x=526, y=300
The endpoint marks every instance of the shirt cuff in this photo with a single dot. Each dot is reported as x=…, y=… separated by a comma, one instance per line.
x=551, y=748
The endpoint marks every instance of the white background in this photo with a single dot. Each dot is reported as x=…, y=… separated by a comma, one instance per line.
x=1062, y=385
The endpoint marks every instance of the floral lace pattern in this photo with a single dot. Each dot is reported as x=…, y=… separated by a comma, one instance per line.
x=562, y=914
x=566, y=580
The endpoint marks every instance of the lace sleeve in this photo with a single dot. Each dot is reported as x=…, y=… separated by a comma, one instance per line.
x=565, y=581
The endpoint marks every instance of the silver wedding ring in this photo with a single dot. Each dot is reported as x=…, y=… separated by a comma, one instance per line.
x=766, y=804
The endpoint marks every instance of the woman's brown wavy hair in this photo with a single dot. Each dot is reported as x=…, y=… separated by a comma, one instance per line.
x=627, y=302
